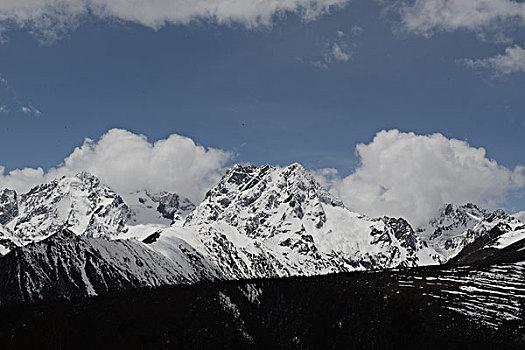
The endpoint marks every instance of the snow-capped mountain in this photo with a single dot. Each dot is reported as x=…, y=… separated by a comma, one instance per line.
x=268, y=221
x=456, y=226
x=86, y=206
x=81, y=203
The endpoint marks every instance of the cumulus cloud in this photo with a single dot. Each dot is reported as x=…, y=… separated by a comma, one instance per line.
x=50, y=19
x=127, y=162
x=512, y=61
x=427, y=17
x=411, y=176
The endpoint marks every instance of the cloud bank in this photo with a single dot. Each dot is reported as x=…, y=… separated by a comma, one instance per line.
x=411, y=176
x=50, y=19
x=126, y=162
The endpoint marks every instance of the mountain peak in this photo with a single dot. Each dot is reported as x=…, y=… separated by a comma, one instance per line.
x=252, y=189
x=456, y=226
x=80, y=202
x=451, y=209
x=63, y=234
x=87, y=176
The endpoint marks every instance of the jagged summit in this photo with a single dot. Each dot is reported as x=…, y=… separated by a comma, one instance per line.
x=81, y=203
x=452, y=219
x=63, y=234
x=249, y=195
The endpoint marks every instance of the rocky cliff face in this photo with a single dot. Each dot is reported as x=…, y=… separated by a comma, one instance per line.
x=8, y=205
x=8, y=241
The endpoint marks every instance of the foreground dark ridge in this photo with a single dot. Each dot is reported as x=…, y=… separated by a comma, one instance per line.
x=455, y=307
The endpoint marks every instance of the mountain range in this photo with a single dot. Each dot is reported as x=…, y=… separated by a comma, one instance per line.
x=76, y=237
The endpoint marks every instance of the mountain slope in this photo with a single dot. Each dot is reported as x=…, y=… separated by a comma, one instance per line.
x=8, y=241
x=69, y=266
x=423, y=308
x=501, y=243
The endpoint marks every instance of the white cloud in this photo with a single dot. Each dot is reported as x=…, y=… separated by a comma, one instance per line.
x=326, y=177
x=30, y=109
x=339, y=54
x=50, y=19
x=512, y=61
x=127, y=161
x=338, y=51
x=427, y=17
x=411, y=176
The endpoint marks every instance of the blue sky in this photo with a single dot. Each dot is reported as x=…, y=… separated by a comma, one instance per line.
x=269, y=94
